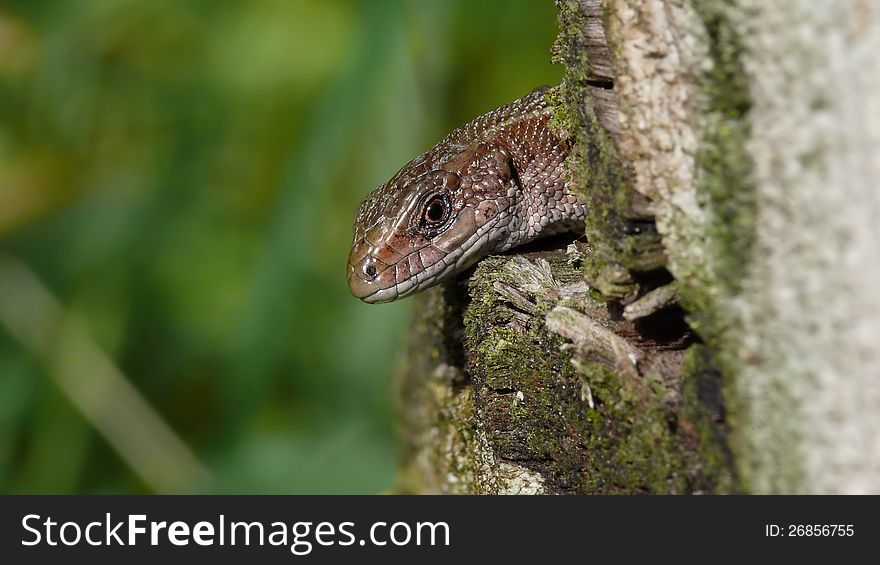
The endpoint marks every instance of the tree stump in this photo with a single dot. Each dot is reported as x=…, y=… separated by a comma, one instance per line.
x=718, y=328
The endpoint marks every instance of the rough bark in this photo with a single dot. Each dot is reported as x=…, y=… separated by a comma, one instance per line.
x=807, y=316
x=720, y=332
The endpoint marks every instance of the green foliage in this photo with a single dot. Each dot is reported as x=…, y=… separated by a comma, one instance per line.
x=181, y=175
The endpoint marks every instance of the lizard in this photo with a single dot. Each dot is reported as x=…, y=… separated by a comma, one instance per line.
x=491, y=185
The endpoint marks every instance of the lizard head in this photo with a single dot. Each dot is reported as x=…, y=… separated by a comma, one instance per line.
x=434, y=219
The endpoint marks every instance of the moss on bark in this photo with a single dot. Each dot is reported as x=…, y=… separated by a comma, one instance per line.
x=622, y=234
x=532, y=410
x=541, y=371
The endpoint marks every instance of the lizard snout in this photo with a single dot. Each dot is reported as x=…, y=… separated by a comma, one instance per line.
x=369, y=277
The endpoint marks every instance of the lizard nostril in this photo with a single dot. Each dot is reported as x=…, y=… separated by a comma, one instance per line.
x=371, y=271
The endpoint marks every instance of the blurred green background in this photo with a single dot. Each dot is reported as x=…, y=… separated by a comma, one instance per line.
x=177, y=184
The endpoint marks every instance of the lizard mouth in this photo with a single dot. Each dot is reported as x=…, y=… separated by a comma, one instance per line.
x=368, y=290
x=372, y=294
x=372, y=273
x=374, y=282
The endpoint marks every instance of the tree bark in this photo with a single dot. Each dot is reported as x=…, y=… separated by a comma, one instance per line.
x=720, y=331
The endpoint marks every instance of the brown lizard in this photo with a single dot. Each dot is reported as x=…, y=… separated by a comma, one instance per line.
x=490, y=185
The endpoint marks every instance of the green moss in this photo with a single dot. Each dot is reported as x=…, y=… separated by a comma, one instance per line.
x=437, y=413
x=596, y=172
x=635, y=442
x=724, y=180
x=725, y=185
x=585, y=428
x=562, y=120
x=703, y=419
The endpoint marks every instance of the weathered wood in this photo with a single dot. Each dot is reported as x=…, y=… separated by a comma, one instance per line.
x=729, y=175
x=529, y=385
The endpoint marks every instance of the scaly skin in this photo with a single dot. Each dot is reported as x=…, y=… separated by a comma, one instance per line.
x=493, y=184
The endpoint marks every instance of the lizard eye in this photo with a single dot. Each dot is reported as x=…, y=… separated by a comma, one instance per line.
x=435, y=211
